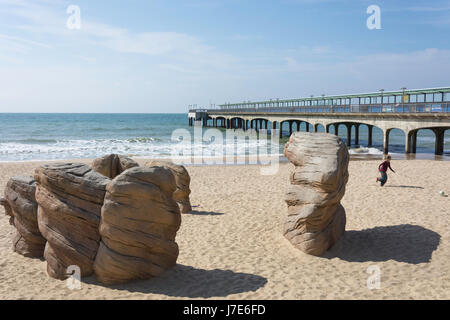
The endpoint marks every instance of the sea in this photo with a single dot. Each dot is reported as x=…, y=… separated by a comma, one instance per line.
x=62, y=136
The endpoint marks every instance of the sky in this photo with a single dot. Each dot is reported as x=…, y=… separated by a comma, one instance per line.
x=154, y=56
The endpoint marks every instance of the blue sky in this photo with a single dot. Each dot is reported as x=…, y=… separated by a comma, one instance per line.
x=161, y=56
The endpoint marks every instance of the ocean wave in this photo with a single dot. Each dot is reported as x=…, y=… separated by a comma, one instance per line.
x=31, y=141
x=140, y=140
x=113, y=129
x=364, y=150
x=142, y=147
x=49, y=149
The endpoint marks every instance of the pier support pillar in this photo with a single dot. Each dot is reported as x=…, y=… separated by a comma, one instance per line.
x=281, y=130
x=408, y=142
x=356, y=134
x=336, y=129
x=439, y=144
x=290, y=128
x=411, y=141
x=369, y=138
x=327, y=128
x=386, y=141
x=349, y=134
x=298, y=123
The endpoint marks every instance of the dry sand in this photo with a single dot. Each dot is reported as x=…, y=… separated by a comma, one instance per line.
x=232, y=245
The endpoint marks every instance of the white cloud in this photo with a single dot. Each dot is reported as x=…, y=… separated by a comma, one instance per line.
x=174, y=48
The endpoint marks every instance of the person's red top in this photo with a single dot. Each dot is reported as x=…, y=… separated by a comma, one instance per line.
x=384, y=166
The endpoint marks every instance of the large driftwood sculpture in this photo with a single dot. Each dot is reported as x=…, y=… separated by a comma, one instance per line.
x=316, y=218
x=139, y=223
x=182, y=180
x=20, y=204
x=112, y=165
x=69, y=197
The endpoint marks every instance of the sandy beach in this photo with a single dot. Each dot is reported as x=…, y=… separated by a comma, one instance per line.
x=232, y=247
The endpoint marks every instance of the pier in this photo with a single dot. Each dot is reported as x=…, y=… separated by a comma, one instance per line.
x=406, y=110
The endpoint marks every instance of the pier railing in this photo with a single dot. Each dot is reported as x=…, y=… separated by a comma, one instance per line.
x=362, y=108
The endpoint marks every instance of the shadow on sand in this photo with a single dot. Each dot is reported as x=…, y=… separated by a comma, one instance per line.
x=406, y=187
x=205, y=213
x=188, y=282
x=403, y=243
